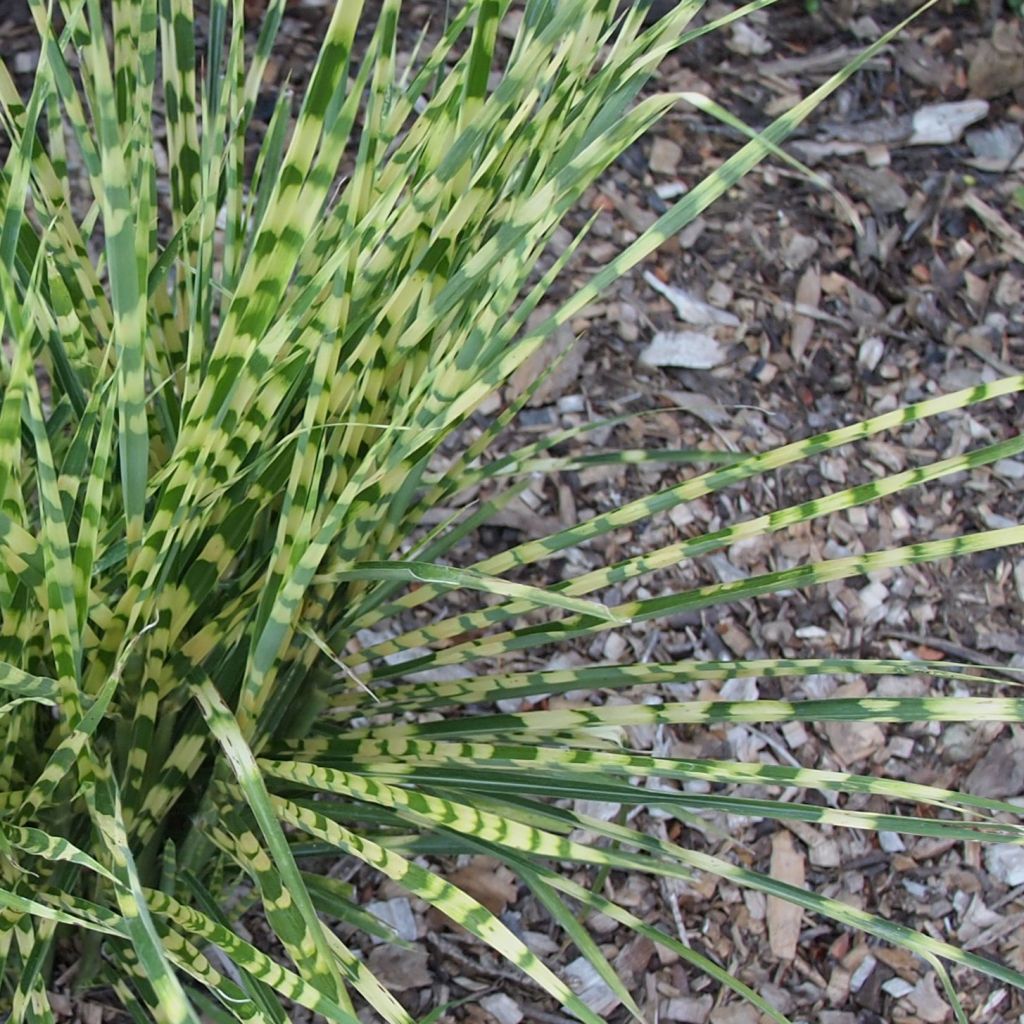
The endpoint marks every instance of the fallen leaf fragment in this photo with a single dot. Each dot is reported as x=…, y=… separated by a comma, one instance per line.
x=995, y=70
x=400, y=969
x=689, y=308
x=925, y=999
x=787, y=865
x=687, y=349
x=560, y=345
x=701, y=406
x=747, y=41
x=942, y=123
x=489, y=882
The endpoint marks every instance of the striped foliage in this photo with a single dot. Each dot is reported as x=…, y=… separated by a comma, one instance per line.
x=226, y=384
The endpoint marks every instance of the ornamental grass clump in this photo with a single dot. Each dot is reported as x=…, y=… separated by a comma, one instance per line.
x=226, y=389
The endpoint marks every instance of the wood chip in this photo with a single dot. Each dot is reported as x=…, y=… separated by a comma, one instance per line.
x=808, y=295
x=747, y=41
x=862, y=972
x=633, y=958
x=736, y=1013
x=1000, y=773
x=838, y=986
x=905, y=963
x=687, y=1009
x=397, y=913
x=941, y=124
x=794, y=734
x=59, y=1003
x=854, y=741
x=504, y=1009
x=685, y=349
x=699, y=405
x=561, y=344
x=814, y=63
x=1006, y=863
x=665, y=156
x=1013, y=240
x=997, y=67
x=787, y=865
x=582, y=977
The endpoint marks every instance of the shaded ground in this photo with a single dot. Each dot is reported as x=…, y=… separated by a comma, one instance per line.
x=834, y=324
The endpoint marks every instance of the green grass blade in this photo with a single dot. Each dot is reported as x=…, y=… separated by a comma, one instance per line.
x=104, y=806
x=814, y=574
x=127, y=291
x=290, y=908
x=246, y=957
x=451, y=578
x=428, y=886
x=851, y=709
